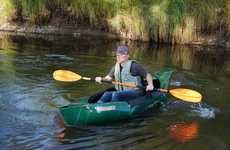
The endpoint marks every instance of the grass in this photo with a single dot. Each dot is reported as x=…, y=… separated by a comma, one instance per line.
x=6, y=10
x=175, y=21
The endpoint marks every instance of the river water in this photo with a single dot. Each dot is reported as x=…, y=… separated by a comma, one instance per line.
x=29, y=96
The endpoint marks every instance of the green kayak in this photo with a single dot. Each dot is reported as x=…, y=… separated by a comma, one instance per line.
x=85, y=113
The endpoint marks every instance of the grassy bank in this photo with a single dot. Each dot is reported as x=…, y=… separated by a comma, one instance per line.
x=174, y=21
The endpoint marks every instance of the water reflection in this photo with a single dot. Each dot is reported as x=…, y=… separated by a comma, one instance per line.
x=27, y=87
x=184, y=131
x=117, y=136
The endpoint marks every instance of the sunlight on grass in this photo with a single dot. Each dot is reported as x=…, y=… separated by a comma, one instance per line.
x=159, y=22
x=174, y=21
x=123, y=24
x=186, y=32
x=6, y=9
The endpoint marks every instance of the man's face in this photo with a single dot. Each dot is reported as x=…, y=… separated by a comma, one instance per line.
x=121, y=58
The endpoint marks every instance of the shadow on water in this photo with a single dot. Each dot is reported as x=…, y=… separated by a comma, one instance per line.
x=119, y=135
x=29, y=96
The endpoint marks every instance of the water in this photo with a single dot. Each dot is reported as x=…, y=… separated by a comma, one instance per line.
x=29, y=95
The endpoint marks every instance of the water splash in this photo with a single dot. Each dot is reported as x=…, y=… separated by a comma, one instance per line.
x=191, y=109
x=204, y=110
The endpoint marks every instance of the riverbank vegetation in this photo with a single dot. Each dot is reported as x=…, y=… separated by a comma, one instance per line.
x=173, y=21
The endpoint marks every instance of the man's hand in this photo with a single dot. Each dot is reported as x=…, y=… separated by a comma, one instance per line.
x=149, y=79
x=98, y=79
x=149, y=87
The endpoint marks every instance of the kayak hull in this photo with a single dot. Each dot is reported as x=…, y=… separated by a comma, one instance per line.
x=84, y=113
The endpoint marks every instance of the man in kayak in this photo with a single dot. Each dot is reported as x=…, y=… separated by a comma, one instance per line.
x=126, y=71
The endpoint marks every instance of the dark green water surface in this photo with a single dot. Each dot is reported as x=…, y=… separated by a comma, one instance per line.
x=29, y=95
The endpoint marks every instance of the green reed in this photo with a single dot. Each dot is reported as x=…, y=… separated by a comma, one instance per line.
x=176, y=21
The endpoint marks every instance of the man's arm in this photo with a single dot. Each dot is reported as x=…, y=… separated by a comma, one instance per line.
x=139, y=70
x=108, y=77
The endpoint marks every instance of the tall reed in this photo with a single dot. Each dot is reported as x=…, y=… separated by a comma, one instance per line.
x=175, y=21
x=6, y=10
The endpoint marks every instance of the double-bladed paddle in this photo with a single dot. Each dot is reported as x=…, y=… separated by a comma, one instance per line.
x=180, y=93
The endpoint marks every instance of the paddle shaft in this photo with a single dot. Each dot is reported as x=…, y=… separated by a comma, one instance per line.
x=111, y=82
x=123, y=84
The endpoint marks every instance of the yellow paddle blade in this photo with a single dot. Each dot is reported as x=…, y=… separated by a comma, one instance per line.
x=66, y=76
x=186, y=95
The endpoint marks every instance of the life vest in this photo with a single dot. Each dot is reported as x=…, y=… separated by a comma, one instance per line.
x=125, y=76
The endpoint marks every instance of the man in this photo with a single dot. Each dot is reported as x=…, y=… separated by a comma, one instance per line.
x=126, y=71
